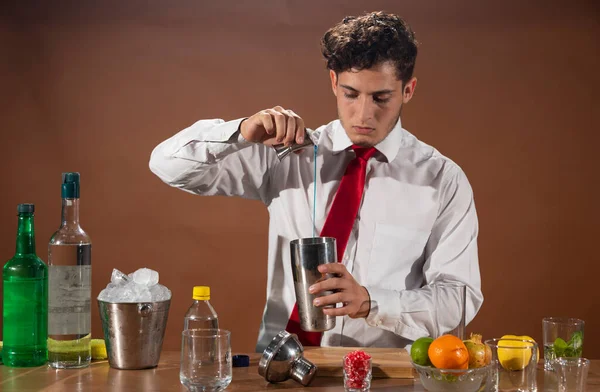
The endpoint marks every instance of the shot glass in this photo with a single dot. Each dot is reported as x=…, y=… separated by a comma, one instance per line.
x=563, y=337
x=572, y=374
x=357, y=372
x=514, y=363
x=205, y=360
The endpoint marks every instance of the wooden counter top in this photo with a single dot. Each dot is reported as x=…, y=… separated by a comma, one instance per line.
x=101, y=377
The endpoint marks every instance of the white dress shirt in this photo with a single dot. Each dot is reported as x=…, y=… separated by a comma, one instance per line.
x=417, y=223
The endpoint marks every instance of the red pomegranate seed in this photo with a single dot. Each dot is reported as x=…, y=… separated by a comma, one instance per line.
x=357, y=367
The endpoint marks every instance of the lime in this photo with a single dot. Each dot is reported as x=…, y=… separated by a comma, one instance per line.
x=418, y=351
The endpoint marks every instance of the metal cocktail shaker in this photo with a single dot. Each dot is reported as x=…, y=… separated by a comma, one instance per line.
x=307, y=255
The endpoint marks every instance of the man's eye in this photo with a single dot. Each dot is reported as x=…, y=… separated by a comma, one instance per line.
x=350, y=96
x=380, y=100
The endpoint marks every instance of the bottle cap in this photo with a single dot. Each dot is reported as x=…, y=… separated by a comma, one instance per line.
x=201, y=293
x=240, y=361
x=70, y=185
x=25, y=208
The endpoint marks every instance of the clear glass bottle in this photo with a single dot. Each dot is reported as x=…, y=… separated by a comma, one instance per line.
x=201, y=315
x=25, y=299
x=70, y=285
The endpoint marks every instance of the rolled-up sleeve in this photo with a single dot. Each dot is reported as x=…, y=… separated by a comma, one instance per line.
x=211, y=157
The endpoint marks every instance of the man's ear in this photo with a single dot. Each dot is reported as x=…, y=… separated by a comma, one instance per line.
x=333, y=77
x=409, y=90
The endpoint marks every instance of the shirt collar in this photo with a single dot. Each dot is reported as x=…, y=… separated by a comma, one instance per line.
x=388, y=147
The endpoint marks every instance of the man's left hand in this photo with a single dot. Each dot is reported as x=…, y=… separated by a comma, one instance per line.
x=354, y=297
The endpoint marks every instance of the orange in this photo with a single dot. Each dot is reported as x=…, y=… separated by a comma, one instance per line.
x=448, y=352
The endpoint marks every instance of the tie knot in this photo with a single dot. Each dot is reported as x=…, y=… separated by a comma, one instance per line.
x=364, y=153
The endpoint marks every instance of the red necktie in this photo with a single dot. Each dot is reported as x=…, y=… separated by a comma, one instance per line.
x=338, y=224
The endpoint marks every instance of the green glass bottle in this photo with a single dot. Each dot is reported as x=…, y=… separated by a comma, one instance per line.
x=25, y=299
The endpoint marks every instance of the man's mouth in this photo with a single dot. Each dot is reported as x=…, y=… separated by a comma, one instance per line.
x=363, y=130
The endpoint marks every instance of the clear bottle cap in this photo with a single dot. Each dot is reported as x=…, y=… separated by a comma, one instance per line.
x=201, y=293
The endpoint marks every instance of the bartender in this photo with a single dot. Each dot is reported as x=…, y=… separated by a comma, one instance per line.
x=402, y=213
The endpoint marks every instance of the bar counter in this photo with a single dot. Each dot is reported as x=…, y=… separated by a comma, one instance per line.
x=101, y=377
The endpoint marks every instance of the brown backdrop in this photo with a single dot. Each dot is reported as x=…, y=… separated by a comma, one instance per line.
x=507, y=90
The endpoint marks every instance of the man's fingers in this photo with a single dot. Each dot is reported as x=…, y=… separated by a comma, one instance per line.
x=333, y=268
x=281, y=119
x=300, y=127
x=343, y=311
x=280, y=123
x=272, y=126
x=267, y=122
x=329, y=284
x=290, y=132
x=331, y=299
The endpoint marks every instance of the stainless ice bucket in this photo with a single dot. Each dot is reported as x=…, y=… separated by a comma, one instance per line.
x=307, y=254
x=134, y=332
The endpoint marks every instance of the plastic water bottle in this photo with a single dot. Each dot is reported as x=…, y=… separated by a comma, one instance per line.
x=201, y=315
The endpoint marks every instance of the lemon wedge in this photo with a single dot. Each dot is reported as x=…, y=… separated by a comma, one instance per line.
x=98, y=349
x=516, y=358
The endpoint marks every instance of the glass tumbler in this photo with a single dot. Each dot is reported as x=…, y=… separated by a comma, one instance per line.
x=563, y=337
x=205, y=360
x=572, y=374
x=514, y=364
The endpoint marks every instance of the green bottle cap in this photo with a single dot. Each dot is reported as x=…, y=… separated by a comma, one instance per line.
x=27, y=208
x=70, y=185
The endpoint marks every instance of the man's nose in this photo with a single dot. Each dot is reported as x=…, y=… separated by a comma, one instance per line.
x=366, y=110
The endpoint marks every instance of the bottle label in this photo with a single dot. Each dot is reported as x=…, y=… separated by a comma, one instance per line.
x=70, y=290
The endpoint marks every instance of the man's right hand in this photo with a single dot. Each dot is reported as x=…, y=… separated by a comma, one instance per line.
x=274, y=126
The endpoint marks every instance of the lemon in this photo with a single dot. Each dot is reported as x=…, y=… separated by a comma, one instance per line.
x=98, y=349
x=516, y=358
x=418, y=351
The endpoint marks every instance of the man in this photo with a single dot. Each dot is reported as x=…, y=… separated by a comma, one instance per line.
x=414, y=224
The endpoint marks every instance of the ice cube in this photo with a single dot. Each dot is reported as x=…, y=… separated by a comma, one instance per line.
x=145, y=276
x=109, y=294
x=104, y=295
x=160, y=293
x=118, y=277
x=125, y=293
x=139, y=286
x=143, y=295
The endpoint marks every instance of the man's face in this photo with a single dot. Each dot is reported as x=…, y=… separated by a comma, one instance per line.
x=369, y=102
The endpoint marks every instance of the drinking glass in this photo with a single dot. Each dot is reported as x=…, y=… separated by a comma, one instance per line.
x=449, y=300
x=572, y=374
x=205, y=360
x=563, y=337
x=514, y=364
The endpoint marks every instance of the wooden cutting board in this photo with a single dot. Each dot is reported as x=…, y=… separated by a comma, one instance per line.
x=386, y=362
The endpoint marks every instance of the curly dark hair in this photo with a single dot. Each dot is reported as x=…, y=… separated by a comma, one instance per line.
x=364, y=41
